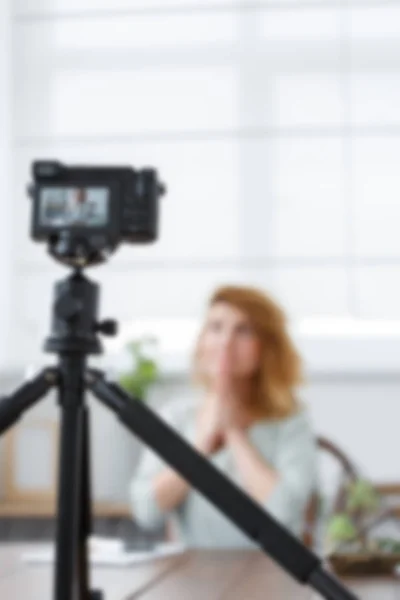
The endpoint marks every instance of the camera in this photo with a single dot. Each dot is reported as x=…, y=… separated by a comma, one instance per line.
x=85, y=212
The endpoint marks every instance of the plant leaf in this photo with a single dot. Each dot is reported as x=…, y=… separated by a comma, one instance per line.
x=144, y=370
x=362, y=496
x=147, y=369
x=341, y=528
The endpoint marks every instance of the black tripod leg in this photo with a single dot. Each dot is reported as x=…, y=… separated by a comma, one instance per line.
x=67, y=586
x=276, y=541
x=85, y=520
x=85, y=517
x=13, y=405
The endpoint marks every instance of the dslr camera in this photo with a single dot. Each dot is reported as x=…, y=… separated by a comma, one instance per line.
x=85, y=212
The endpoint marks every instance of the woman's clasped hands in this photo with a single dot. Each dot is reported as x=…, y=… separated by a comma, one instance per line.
x=221, y=411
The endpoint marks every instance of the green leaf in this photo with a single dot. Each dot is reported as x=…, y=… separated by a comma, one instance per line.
x=144, y=370
x=362, y=496
x=341, y=528
x=131, y=385
x=147, y=369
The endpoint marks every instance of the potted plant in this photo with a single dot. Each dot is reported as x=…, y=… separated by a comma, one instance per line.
x=144, y=370
x=353, y=545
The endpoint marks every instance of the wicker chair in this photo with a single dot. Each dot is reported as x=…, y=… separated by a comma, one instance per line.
x=348, y=473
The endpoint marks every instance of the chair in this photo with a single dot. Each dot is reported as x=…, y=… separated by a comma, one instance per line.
x=348, y=473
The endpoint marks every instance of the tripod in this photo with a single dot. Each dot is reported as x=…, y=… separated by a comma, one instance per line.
x=73, y=337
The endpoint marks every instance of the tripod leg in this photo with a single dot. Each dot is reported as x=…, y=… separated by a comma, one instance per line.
x=85, y=517
x=12, y=406
x=85, y=521
x=70, y=478
x=256, y=523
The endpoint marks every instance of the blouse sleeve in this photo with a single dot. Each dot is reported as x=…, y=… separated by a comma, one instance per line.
x=145, y=509
x=296, y=464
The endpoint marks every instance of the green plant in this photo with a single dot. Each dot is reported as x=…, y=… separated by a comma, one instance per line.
x=144, y=370
x=354, y=524
x=388, y=545
x=362, y=497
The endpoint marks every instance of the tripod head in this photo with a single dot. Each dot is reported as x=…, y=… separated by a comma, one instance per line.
x=75, y=325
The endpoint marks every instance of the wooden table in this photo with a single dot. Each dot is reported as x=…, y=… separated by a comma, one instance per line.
x=195, y=575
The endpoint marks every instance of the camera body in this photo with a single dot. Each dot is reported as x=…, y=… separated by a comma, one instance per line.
x=85, y=212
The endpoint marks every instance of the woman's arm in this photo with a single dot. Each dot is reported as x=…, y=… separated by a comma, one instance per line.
x=284, y=489
x=170, y=489
x=155, y=488
x=296, y=462
x=258, y=477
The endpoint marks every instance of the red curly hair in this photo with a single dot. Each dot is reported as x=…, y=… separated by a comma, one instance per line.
x=281, y=366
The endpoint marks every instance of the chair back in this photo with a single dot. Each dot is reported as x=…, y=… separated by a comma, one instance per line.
x=348, y=472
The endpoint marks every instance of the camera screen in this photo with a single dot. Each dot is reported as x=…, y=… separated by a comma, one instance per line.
x=73, y=207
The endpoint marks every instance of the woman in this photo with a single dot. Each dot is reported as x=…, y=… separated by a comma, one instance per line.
x=248, y=423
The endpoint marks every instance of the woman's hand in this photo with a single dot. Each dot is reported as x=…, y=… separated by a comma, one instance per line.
x=221, y=413
x=231, y=412
x=209, y=436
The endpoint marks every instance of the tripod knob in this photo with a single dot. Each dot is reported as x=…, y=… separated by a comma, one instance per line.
x=107, y=327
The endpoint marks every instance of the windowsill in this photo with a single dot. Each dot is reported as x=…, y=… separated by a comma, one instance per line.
x=329, y=347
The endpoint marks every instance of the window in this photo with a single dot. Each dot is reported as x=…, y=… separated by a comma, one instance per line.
x=275, y=126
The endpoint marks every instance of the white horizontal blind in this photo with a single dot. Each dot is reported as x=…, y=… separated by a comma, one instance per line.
x=275, y=125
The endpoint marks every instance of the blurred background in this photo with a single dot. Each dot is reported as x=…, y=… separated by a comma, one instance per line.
x=276, y=128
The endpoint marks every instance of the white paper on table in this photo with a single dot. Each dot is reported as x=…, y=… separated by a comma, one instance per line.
x=105, y=552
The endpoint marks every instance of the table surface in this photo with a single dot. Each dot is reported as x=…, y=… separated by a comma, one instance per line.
x=195, y=575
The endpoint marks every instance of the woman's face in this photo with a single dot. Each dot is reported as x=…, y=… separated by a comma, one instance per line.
x=228, y=335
